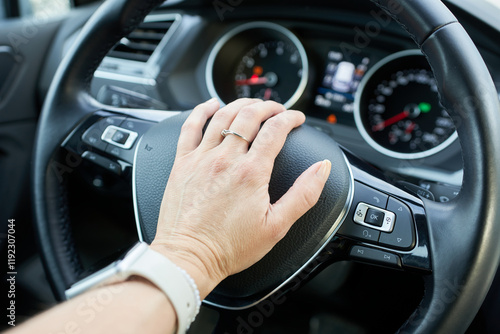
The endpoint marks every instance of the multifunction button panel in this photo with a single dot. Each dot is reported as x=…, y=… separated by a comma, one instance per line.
x=379, y=219
x=117, y=137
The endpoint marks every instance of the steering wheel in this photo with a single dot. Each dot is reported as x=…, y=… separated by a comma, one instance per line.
x=453, y=245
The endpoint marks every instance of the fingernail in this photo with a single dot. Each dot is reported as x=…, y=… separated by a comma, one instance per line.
x=212, y=100
x=324, y=170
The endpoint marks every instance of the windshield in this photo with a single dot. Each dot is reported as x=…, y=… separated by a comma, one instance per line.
x=493, y=2
x=487, y=10
x=43, y=9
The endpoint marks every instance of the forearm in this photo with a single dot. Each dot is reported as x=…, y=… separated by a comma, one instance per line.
x=134, y=306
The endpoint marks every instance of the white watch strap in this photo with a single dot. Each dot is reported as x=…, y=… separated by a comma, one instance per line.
x=177, y=285
x=142, y=261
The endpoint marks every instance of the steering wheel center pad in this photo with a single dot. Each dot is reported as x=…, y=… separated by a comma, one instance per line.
x=154, y=160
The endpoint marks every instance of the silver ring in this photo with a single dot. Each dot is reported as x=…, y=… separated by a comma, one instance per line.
x=225, y=133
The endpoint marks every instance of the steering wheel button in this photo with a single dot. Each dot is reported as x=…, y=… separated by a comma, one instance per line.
x=375, y=256
x=353, y=230
x=403, y=235
x=136, y=125
x=90, y=156
x=369, y=195
x=93, y=140
x=93, y=135
x=117, y=121
x=120, y=137
x=105, y=163
x=125, y=155
x=375, y=217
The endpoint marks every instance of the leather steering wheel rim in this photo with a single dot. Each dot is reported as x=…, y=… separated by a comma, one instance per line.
x=463, y=233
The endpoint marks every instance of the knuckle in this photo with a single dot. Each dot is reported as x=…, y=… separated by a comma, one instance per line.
x=265, y=138
x=249, y=112
x=221, y=114
x=276, y=231
x=252, y=161
x=219, y=165
x=246, y=173
x=274, y=105
x=199, y=109
x=245, y=169
x=190, y=125
x=241, y=102
x=247, y=100
x=276, y=123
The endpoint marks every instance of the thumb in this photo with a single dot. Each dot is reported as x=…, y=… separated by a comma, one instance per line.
x=301, y=197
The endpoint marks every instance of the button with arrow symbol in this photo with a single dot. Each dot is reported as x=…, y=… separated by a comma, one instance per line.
x=403, y=234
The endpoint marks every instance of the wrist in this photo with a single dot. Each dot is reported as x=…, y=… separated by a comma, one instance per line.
x=205, y=279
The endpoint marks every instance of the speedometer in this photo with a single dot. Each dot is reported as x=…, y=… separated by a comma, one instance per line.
x=398, y=110
x=269, y=71
x=258, y=60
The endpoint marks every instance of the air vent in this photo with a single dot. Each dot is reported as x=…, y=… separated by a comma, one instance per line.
x=140, y=44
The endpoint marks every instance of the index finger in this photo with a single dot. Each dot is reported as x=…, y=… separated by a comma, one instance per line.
x=272, y=136
x=192, y=129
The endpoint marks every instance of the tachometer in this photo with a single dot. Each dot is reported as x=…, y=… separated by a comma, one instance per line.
x=258, y=60
x=398, y=111
x=270, y=71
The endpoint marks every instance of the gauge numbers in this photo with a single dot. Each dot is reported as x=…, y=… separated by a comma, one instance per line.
x=258, y=60
x=269, y=71
x=398, y=111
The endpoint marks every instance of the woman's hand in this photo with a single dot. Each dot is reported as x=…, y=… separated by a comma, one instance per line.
x=216, y=218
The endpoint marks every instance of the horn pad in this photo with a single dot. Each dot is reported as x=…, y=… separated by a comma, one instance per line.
x=304, y=147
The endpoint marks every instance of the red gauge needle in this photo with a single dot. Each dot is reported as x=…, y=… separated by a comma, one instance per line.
x=268, y=94
x=254, y=80
x=410, y=128
x=394, y=119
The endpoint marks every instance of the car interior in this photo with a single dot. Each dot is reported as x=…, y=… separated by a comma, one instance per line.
x=402, y=96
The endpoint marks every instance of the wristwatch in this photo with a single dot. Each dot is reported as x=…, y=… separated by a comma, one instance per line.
x=143, y=261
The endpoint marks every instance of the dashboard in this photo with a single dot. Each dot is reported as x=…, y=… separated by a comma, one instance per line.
x=355, y=74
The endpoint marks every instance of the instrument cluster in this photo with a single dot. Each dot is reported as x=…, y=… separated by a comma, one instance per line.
x=392, y=101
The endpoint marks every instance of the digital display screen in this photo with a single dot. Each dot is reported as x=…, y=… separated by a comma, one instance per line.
x=340, y=81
